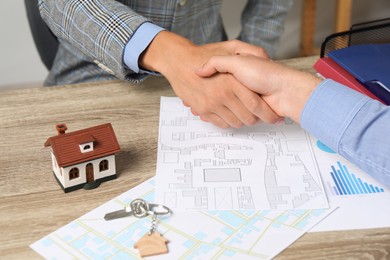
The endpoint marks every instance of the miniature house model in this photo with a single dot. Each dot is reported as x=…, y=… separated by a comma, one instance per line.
x=84, y=158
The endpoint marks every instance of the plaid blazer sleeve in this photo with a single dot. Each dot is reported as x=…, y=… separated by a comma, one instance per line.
x=263, y=23
x=98, y=28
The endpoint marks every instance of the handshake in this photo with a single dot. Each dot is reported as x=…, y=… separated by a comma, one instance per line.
x=278, y=91
x=229, y=84
x=232, y=84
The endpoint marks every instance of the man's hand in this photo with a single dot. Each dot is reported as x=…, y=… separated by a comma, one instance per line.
x=219, y=99
x=284, y=89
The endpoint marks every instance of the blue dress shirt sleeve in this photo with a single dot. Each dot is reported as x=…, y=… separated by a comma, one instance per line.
x=138, y=43
x=352, y=124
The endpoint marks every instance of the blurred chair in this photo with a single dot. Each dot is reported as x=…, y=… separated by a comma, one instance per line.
x=45, y=41
x=308, y=24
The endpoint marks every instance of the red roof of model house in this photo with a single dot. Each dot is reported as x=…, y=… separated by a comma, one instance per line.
x=66, y=146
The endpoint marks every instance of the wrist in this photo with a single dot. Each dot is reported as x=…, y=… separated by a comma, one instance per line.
x=296, y=92
x=164, y=51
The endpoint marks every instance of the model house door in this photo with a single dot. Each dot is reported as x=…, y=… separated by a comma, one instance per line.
x=89, y=171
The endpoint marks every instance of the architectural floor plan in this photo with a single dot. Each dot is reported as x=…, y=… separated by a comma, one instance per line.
x=202, y=167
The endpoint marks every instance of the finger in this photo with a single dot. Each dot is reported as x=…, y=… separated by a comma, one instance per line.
x=239, y=109
x=255, y=105
x=193, y=111
x=234, y=47
x=246, y=48
x=241, y=112
x=207, y=70
x=266, y=113
x=226, y=105
x=235, y=112
x=218, y=114
x=216, y=64
x=228, y=116
x=215, y=120
x=214, y=113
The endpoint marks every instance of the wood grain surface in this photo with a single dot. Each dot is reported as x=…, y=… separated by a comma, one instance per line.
x=33, y=205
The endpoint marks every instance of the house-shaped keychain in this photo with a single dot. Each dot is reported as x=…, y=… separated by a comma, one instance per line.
x=84, y=158
x=152, y=244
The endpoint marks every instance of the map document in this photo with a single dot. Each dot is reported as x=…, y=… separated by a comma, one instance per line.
x=217, y=235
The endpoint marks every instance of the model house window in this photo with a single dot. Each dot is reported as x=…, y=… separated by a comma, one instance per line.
x=103, y=165
x=74, y=173
x=86, y=147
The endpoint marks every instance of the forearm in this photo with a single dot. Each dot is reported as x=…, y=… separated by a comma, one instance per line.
x=99, y=29
x=351, y=124
x=365, y=141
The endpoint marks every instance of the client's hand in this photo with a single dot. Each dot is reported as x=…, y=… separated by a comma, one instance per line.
x=284, y=89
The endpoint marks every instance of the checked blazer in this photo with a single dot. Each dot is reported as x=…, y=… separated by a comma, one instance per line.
x=93, y=33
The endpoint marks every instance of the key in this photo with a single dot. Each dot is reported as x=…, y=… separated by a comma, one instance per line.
x=138, y=208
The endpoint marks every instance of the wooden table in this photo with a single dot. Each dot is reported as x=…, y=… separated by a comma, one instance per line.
x=33, y=205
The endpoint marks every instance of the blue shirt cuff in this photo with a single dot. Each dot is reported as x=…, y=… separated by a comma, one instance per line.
x=140, y=40
x=330, y=110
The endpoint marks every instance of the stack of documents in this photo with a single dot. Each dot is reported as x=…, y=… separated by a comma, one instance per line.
x=364, y=68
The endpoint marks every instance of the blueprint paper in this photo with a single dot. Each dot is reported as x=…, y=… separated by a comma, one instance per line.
x=203, y=167
x=362, y=201
x=217, y=234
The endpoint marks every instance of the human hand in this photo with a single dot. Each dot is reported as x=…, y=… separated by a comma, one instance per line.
x=219, y=99
x=284, y=89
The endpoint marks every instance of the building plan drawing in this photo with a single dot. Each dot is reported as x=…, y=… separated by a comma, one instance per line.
x=217, y=235
x=203, y=167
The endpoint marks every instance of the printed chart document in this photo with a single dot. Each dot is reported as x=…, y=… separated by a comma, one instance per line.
x=203, y=167
x=217, y=234
x=361, y=201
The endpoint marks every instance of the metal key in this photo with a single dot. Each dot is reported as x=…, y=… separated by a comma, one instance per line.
x=138, y=208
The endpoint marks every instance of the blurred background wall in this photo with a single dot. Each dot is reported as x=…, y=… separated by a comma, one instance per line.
x=20, y=65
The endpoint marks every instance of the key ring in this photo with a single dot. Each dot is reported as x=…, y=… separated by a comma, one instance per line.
x=140, y=208
x=161, y=209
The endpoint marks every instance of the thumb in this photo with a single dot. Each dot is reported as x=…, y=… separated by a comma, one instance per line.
x=216, y=64
x=207, y=70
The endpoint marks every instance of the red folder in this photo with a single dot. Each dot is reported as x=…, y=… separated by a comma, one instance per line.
x=330, y=69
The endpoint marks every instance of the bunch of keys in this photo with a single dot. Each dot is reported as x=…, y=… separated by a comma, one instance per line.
x=152, y=243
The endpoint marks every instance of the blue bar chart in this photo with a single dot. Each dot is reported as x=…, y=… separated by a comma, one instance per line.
x=346, y=183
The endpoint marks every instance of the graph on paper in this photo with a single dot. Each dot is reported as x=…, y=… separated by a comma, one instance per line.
x=346, y=183
x=361, y=200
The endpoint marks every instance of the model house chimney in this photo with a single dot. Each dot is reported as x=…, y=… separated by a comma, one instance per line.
x=61, y=128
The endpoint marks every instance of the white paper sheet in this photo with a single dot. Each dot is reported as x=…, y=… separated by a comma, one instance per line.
x=203, y=167
x=217, y=234
x=362, y=201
